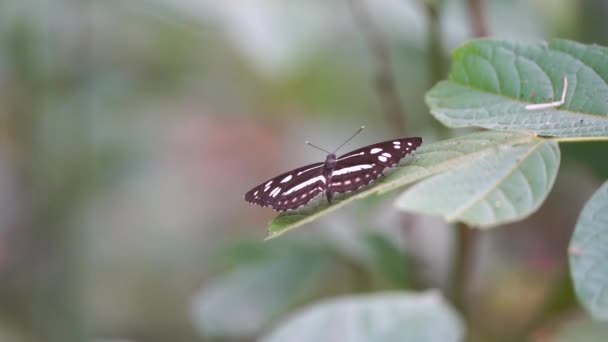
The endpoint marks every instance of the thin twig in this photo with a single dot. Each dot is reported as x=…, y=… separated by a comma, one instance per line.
x=436, y=63
x=463, y=267
x=436, y=58
x=384, y=81
x=476, y=13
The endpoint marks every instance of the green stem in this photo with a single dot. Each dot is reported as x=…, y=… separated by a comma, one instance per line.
x=465, y=241
x=478, y=21
x=384, y=80
x=462, y=269
x=437, y=68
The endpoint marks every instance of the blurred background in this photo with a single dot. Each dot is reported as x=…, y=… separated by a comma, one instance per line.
x=130, y=131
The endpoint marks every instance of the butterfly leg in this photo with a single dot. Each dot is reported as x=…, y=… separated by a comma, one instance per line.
x=329, y=195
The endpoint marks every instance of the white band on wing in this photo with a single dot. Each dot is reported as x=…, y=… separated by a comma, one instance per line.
x=305, y=184
x=351, y=169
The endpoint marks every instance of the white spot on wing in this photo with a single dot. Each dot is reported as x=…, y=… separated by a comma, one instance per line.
x=382, y=158
x=409, y=143
x=354, y=155
x=375, y=150
x=387, y=155
x=351, y=169
x=275, y=191
x=267, y=186
x=287, y=179
x=312, y=168
x=346, y=182
x=305, y=184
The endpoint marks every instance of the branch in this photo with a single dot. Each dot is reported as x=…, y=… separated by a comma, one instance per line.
x=436, y=63
x=462, y=270
x=480, y=29
x=436, y=58
x=384, y=82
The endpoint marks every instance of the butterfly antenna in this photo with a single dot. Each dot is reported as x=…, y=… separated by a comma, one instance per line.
x=317, y=147
x=349, y=139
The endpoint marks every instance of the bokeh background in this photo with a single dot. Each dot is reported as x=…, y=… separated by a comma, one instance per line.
x=130, y=131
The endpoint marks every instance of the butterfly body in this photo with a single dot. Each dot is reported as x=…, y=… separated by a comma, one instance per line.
x=328, y=168
x=349, y=172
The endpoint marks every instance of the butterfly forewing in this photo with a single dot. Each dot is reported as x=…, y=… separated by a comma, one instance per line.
x=289, y=190
x=394, y=151
x=362, y=166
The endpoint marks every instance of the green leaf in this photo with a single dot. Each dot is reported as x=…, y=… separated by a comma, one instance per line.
x=241, y=302
x=589, y=255
x=390, y=316
x=429, y=160
x=491, y=82
x=501, y=187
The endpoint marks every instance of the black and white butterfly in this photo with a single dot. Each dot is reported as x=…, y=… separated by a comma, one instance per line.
x=349, y=172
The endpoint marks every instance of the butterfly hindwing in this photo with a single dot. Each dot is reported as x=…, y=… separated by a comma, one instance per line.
x=291, y=189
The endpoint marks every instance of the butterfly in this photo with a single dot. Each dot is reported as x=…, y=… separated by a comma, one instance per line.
x=294, y=189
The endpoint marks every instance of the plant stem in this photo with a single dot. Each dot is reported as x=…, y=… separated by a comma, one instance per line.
x=463, y=267
x=436, y=58
x=384, y=82
x=436, y=65
x=478, y=21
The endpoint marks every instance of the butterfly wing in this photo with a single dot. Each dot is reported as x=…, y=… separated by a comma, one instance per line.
x=364, y=165
x=290, y=190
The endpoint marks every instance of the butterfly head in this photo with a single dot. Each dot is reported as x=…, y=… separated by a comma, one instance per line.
x=330, y=161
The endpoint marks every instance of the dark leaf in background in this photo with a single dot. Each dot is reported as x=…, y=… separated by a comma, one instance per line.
x=387, y=260
x=243, y=301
